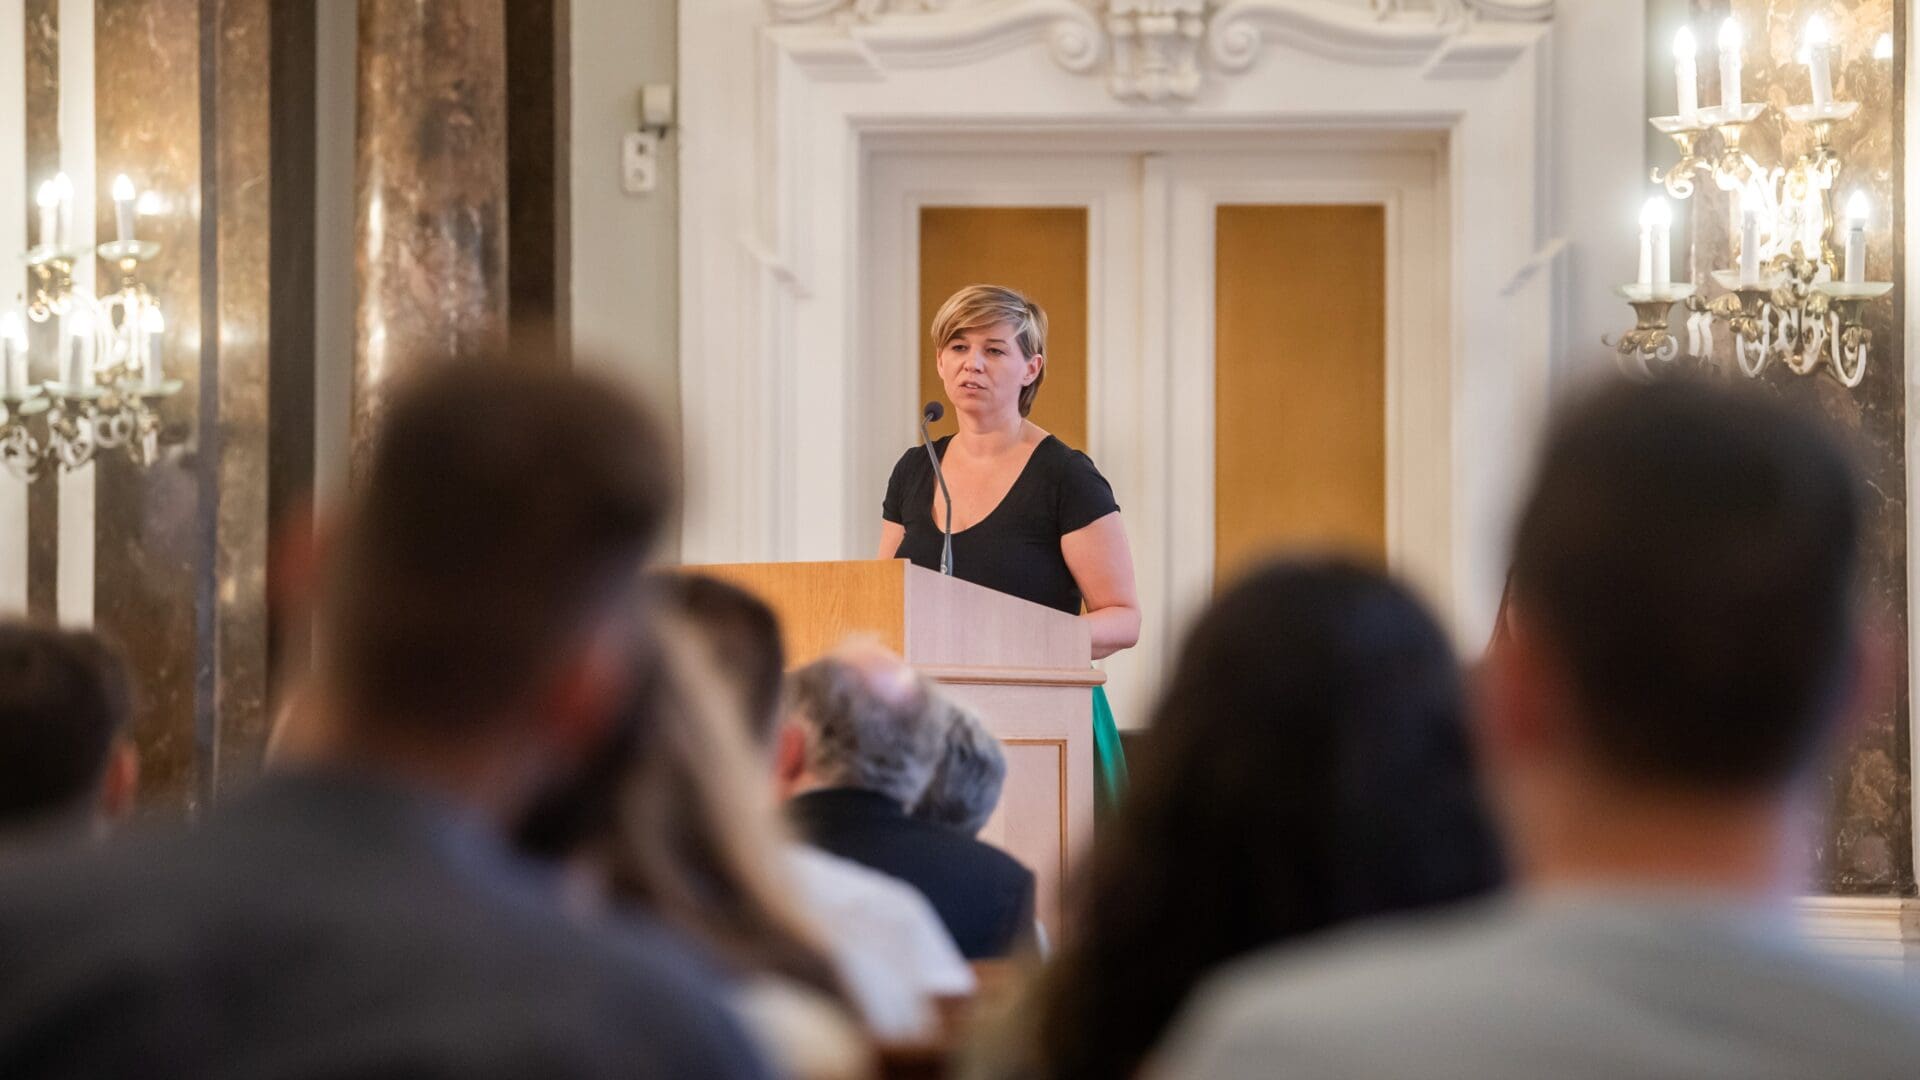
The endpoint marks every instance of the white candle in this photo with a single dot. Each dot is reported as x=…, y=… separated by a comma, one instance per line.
x=1686, y=71
x=1749, y=247
x=9, y=323
x=123, y=197
x=75, y=373
x=63, y=188
x=153, y=326
x=1883, y=47
x=48, y=199
x=1819, y=74
x=1730, y=39
x=15, y=333
x=1856, y=263
x=1656, y=258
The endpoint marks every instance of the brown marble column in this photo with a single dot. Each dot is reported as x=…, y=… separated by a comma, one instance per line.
x=539, y=92
x=154, y=525
x=239, y=199
x=1869, y=847
x=41, y=72
x=432, y=192
x=181, y=545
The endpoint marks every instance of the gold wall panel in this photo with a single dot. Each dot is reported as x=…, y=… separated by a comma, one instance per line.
x=1041, y=251
x=1869, y=847
x=1299, y=382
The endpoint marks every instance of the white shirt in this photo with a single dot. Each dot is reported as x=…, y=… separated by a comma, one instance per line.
x=1576, y=986
x=889, y=946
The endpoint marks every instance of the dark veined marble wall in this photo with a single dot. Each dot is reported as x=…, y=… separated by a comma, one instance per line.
x=1868, y=847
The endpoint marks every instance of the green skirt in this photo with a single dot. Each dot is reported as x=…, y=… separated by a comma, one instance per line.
x=1109, y=757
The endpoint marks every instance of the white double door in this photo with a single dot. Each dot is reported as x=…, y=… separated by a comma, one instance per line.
x=1151, y=216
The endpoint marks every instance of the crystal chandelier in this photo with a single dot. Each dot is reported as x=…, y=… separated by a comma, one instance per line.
x=109, y=375
x=1791, y=297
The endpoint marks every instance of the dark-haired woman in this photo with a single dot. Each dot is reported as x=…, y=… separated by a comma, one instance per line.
x=1311, y=767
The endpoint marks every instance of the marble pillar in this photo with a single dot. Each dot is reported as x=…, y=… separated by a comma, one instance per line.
x=241, y=190
x=41, y=73
x=154, y=525
x=1869, y=845
x=539, y=67
x=431, y=179
x=181, y=545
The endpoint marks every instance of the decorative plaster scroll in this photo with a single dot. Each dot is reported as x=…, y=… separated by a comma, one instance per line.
x=1451, y=12
x=1074, y=36
x=1157, y=50
x=862, y=10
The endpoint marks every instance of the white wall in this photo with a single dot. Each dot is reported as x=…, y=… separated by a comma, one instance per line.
x=1599, y=86
x=626, y=296
x=13, y=237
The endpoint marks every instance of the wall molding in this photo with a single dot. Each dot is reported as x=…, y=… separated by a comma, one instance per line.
x=1159, y=50
x=1882, y=929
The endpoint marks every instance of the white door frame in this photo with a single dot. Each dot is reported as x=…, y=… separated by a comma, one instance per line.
x=778, y=118
x=1150, y=331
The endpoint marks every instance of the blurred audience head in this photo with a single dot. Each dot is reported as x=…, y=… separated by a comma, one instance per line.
x=1683, y=601
x=65, y=708
x=691, y=832
x=1310, y=766
x=966, y=783
x=480, y=591
x=741, y=635
x=862, y=720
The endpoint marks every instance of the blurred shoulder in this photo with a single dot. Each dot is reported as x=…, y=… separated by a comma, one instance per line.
x=1315, y=1001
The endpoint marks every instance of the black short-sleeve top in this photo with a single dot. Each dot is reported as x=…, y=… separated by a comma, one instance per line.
x=1015, y=549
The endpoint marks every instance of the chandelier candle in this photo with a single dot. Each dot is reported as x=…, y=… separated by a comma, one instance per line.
x=78, y=327
x=63, y=189
x=1749, y=247
x=48, y=200
x=1656, y=239
x=1819, y=73
x=153, y=326
x=1686, y=71
x=1730, y=40
x=123, y=196
x=1856, y=262
x=13, y=350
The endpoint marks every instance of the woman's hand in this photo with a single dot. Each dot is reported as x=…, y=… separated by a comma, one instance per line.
x=1102, y=566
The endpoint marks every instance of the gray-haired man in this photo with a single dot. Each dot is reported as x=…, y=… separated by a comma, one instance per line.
x=966, y=783
x=867, y=742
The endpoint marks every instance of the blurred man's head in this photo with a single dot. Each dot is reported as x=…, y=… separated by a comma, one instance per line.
x=742, y=638
x=65, y=708
x=861, y=720
x=481, y=591
x=966, y=783
x=1683, y=598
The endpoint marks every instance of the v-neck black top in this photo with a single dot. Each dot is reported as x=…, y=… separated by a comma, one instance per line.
x=1015, y=549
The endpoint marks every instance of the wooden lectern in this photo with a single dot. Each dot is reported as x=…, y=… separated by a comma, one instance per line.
x=1027, y=669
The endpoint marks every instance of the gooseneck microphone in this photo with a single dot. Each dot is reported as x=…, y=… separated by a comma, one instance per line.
x=931, y=414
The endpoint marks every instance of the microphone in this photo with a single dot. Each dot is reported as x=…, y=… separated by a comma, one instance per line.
x=929, y=415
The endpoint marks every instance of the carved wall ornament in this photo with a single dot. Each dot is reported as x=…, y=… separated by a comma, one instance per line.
x=1161, y=50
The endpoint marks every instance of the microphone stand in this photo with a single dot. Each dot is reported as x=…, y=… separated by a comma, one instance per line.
x=934, y=411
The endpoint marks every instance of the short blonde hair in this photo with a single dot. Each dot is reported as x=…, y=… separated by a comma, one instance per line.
x=978, y=306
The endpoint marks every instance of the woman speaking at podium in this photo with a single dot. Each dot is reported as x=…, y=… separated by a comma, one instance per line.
x=1031, y=516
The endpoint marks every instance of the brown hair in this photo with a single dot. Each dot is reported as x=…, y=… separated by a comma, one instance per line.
x=64, y=698
x=978, y=306
x=505, y=507
x=695, y=838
